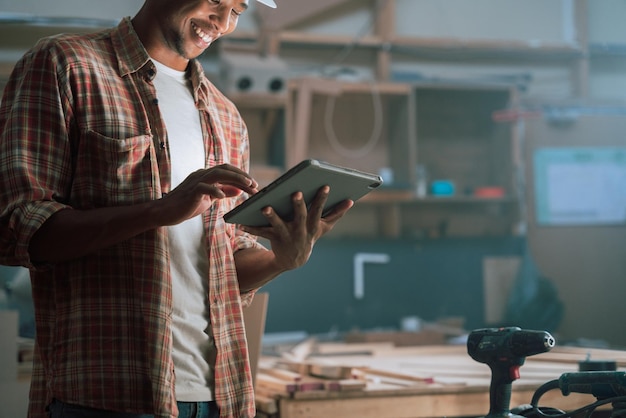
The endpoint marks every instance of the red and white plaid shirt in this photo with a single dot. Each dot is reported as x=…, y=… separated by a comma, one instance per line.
x=80, y=128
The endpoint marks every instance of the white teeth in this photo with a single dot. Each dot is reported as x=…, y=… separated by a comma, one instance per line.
x=206, y=38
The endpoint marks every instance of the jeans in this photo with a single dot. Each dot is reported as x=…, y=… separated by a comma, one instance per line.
x=60, y=409
x=198, y=410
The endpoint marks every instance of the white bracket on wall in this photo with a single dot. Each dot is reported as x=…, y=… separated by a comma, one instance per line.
x=359, y=270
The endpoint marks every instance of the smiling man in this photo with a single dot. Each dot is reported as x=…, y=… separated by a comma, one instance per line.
x=118, y=160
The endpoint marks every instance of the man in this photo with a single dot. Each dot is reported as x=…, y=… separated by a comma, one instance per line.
x=118, y=160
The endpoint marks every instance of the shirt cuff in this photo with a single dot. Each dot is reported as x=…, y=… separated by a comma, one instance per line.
x=29, y=218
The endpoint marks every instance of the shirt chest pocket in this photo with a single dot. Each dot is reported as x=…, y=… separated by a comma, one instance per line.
x=111, y=171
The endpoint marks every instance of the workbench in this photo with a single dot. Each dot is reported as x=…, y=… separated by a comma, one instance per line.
x=407, y=382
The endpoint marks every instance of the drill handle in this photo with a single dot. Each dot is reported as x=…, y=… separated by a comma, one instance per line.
x=500, y=392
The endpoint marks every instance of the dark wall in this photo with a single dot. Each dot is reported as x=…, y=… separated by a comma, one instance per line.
x=425, y=278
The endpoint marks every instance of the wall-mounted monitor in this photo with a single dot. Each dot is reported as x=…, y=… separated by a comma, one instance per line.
x=580, y=186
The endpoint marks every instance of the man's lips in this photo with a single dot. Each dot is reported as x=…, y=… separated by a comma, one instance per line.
x=206, y=38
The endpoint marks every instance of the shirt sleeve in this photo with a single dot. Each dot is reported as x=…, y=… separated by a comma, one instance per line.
x=35, y=154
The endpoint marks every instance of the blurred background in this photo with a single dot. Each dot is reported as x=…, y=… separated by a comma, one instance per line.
x=499, y=129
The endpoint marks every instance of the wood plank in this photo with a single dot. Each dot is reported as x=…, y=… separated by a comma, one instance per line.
x=370, y=371
x=266, y=404
x=455, y=404
x=287, y=375
x=330, y=371
x=385, y=29
x=298, y=125
x=575, y=354
x=340, y=348
x=347, y=385
x=499, y=274
x=290, y=13
x=278, y=386
x=397, y=384
x=393, y=379
x=377, y=407
x=254, y=321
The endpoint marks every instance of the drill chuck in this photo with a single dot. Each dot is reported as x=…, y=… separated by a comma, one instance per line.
x=525, y=343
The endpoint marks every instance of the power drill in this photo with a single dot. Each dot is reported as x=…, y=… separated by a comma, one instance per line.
x=606, y=386
x=504, y=350
x=601, y=384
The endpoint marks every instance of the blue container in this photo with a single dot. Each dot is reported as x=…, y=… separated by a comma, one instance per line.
x=442, y=188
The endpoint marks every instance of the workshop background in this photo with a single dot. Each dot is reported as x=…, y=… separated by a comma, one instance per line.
x=499, y=127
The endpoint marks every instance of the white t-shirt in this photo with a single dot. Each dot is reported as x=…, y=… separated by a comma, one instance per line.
x=194, y=350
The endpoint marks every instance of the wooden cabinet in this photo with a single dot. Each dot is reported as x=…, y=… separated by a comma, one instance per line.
x=396, y=129
x=458, y=140
x=366, y=126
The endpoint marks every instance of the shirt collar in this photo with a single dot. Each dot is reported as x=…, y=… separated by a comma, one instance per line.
x=133, y=57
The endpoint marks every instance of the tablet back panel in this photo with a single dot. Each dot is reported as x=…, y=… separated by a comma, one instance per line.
x=307, y=177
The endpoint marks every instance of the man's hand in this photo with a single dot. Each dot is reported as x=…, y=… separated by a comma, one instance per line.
x=292, y=241
x=200, y=189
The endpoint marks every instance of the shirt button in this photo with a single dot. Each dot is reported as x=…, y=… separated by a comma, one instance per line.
x=155, y=101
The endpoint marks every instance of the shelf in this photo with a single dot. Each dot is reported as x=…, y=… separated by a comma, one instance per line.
x=324, y=41
x=400, y=213
x=384, y=197
x=259, y=100
x=334, y=87
x=607, y=50
x=442, y=47
x=462, y=48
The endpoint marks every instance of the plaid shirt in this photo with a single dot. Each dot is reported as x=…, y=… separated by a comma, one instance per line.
x=80, y=128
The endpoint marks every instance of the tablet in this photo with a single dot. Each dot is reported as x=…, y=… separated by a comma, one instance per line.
x=307, y=177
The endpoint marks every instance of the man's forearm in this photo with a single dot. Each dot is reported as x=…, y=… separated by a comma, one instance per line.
x=255, y=267
x=74, y=233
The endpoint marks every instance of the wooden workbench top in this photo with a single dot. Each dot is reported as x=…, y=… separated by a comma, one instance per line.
x=379, y=380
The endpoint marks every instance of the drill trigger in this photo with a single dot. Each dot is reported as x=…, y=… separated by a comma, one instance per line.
x=514, y=372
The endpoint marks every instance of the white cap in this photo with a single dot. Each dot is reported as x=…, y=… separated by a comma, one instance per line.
x=269, y=3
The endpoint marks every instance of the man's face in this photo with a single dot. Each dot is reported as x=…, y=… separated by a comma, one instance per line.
x=188, y=27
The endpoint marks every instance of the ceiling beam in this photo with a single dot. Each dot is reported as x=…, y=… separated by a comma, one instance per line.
x=291, y=12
